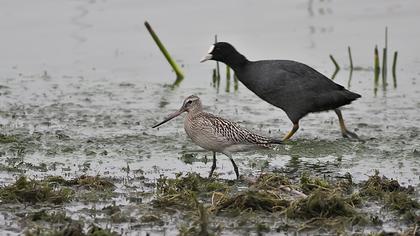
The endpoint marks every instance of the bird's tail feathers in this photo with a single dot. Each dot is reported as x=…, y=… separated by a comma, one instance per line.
x=264, y=141
x=276, y=141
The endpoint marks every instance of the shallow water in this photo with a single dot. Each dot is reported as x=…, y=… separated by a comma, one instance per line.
x=81, y=82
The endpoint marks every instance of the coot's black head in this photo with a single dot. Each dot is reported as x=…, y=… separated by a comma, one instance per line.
x=224, y=52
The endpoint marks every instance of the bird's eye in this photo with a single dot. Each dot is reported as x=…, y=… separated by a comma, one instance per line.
x=189, y=102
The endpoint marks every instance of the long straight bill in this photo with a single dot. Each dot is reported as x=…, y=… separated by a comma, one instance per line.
x=170, y=117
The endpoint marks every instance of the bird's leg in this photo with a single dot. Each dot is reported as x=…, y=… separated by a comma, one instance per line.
x=344, y=131
x=213, y=167
x=293, y=131
x=235, y=167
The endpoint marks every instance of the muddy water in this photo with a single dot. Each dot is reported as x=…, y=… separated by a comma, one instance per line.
x=81, y=83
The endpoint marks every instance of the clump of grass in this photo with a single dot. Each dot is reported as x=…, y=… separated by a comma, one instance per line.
x=324, y=203
x=199, y=223
x=309, y=184
x=271, y=181
x=182, y=191
x=401, y=202
x=376, y=186
x=189, y=158
x=111, y=209
x=98, y=231
x=152, y=219
x=4, y=138
x=321, y=203
x=83, y=181
x=93, y=182
x=50, y=217
x=253, y=200
x=74, y=229
x=392, y=194
x=34, y=191
x=192, y=182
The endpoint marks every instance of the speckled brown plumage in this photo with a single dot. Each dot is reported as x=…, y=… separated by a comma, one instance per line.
x=217, y=134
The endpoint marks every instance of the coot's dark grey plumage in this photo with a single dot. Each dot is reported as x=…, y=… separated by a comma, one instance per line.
x=292, y=86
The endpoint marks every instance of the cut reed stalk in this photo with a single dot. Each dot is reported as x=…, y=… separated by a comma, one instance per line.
x=337, y=67
x=350, y=58
x=217, y=63
x=384, y=58
x=165, y=52
x=394, y=68
x=235, y=82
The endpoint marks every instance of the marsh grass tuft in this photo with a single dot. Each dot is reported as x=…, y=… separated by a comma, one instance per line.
x=83, y=181
x=309, y=184
x=254, y=200
x=376, y=187
x=73, y=229
x=183, y=191
x=52, y=217
x=321, y=203
x=4, y=138
x=52, y=189
x=391, y=194
x=33, y=191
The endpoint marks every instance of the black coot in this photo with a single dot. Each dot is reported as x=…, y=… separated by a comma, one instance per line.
x=292, y=86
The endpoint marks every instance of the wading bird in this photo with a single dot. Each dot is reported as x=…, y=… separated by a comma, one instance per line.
x=292, y=86
x=217, y=134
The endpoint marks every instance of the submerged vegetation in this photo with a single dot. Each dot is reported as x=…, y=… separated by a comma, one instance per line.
x=377, y=69
x=33, y=191
x=309, y=202
x=208, y=206
x=52, y=189
x=74, y=229
x=7, y=138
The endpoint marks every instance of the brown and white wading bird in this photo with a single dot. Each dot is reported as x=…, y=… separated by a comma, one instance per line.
x=217, y=134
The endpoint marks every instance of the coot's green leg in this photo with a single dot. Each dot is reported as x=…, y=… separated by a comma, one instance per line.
x=293, y=131
x=344, y=131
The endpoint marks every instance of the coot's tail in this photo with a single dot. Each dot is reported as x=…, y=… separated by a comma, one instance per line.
x=350, y=95
x=334, y=99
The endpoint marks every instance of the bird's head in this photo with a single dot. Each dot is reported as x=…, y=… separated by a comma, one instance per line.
x=221, y=51
x=191, y=103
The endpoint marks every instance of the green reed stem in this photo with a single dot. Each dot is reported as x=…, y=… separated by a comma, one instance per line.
x=350, y=58
x=337, y=67
x=165, y=52
x=394, y=68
